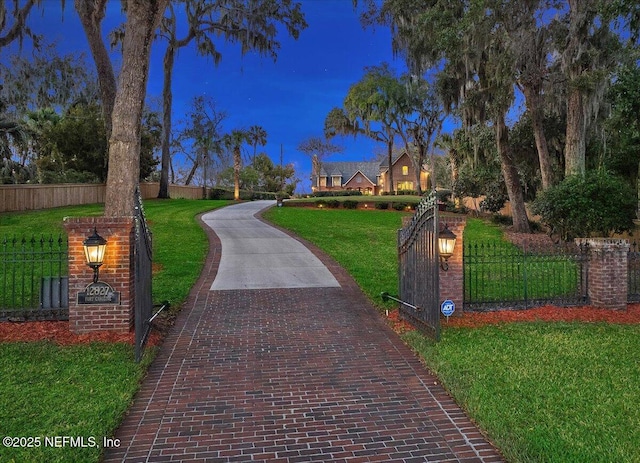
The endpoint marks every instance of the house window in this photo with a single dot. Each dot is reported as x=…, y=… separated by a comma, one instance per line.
x=405, y=186
x=358, y=179
x=323, y=181
x=405, y=170
x=336, y=181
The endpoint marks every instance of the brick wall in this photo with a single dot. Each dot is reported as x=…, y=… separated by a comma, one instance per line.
x=451, y=281
x=117, y=271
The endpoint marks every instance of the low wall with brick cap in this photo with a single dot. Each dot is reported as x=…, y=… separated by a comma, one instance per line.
x=117, y=271
x=607, y=281
x=451, y=281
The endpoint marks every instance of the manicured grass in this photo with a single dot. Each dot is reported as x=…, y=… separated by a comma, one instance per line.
x=544, y=392
x=76, y=391
x=547, y=392
x=363, y=242
x=83, y=391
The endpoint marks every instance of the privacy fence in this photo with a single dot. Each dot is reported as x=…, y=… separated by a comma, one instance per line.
x=32, y=197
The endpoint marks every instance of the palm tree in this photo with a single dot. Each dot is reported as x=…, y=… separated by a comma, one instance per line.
x=257, y=136
x=234, y=141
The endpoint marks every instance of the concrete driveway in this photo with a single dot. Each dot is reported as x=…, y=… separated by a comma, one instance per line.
x=256, y=255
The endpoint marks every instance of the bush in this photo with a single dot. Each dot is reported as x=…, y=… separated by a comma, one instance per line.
x=399, y=206
x=599, y=204
x=350, y=204
x=327, y=194
x=382, y=205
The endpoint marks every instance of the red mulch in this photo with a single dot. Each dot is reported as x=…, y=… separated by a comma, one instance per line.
x=546, y=313
x=59, y=333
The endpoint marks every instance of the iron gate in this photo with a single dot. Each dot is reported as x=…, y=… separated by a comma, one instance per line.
x=142, y=262
x=418, y=268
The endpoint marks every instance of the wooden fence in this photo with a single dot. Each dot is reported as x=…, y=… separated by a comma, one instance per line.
x=32, y=197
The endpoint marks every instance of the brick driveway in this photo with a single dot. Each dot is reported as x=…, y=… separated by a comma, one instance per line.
x=291, y=375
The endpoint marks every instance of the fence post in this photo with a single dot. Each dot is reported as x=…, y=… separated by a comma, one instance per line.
x=452, y=281
x=117, y=271
x=607, y=277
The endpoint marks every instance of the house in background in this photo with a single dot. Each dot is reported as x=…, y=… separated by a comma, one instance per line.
x=370, y=178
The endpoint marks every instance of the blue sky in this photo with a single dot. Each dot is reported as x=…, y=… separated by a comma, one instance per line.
x=289, y=98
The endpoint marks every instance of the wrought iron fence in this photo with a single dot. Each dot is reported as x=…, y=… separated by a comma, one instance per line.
x=633, y=273
x=34, y=278
x=501, y=275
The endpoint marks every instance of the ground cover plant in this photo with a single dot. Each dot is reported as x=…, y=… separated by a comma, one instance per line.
x=543, y=391
x=83, y=389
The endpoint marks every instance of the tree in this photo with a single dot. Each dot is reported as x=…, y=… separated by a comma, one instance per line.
x=13, y=22
x=204, y=130
x=257, y=136
x=318, y=150
x=251, y=24
x=478, y=73
x=234, y=141
x=590, y=50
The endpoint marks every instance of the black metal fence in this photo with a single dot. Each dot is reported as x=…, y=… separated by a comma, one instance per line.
x=419, y=268
x=34, y=281
x=501, y=275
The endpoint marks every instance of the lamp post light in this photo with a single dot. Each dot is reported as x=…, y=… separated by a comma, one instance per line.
x=94, y=247
x=446, y=244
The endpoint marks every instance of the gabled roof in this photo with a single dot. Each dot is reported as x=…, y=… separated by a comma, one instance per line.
x=347, y=170
x=365, y=176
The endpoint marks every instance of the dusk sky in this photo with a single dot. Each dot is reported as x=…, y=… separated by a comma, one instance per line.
x=289, y=98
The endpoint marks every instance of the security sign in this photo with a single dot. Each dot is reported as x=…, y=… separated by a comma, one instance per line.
x=447, y=308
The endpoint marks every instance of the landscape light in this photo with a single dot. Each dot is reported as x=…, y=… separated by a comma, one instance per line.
x=446, y=244
x=94, y=248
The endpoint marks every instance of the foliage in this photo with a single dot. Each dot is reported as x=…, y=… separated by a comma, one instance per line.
x=350, y=204
x=321, y=194
x=597, y=205
x=623, y=126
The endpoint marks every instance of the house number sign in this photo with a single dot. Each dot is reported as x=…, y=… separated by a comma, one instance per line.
x=98, y=293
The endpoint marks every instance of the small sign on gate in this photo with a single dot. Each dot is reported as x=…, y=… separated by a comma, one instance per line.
x=99, y=293
x=447, y=308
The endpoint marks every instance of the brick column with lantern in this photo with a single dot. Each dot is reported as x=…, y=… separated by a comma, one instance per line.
x=451, y=280
x=108, y=304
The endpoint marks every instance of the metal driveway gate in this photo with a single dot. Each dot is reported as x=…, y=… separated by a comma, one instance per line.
x=143, y=296
x=418, y=268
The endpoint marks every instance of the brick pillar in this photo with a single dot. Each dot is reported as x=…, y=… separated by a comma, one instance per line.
x=607, y=279
x=117, y=271
x=451, y=281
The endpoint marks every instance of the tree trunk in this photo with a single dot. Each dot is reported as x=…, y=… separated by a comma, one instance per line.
x=511, y=179
x=143, y=17
x=91, y=13
x=237, y=161
x=535, y=109
x=18, y=27
x=575, y=145
x=167, y=99
x=192, y=172
x=392, y=187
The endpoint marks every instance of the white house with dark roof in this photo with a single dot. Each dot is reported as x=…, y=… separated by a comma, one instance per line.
x=370, y=178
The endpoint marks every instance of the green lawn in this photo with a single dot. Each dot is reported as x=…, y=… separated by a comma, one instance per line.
x=544, y=392
x=83, y=391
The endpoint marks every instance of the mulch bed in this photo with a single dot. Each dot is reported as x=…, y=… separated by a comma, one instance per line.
x=59, y=333
x=546, y=313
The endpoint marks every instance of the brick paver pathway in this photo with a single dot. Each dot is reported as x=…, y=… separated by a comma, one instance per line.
x=291, y=375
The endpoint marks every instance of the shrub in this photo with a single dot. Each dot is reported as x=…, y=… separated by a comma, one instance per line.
x=382, y=205
x=399, y=206
x=333, y=203
x=327, y=194
x=350, y=204
x=597, y=205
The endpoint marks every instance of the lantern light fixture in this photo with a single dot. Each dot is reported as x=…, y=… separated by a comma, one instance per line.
x=94, y=248
x=446, y=245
